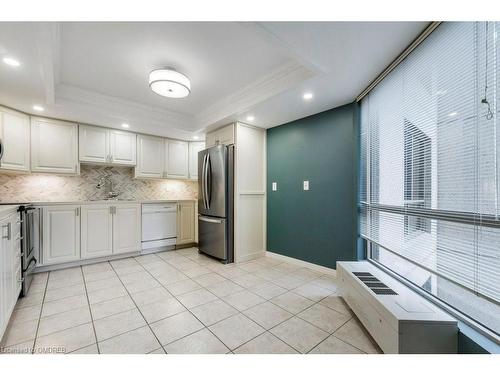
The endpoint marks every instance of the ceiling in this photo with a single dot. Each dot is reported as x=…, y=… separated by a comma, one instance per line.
x=97, y=73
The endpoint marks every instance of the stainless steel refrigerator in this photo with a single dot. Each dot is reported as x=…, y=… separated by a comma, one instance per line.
x=215, y=202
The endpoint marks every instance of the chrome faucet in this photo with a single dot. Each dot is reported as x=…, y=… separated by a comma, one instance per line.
x=107, y=183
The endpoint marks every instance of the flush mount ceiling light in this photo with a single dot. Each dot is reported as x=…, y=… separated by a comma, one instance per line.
x=38, y=108
x=125, y=125
x=170, y=83
x=11, y=61
x=250, y=118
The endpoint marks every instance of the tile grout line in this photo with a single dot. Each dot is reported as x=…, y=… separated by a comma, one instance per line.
x=137, y=307
x=163, y=286
x=332, y=334
x=41, y=310
x=90, y=310
x=216, y=271
x=238, y=311
x=265, y=300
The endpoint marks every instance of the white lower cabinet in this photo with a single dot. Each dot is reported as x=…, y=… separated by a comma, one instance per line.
x=10, y=283
x=61, y=234
x=97, y=231
x=126, y=228
x=186, y=223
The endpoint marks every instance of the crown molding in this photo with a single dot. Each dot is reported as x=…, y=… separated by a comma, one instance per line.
x=282, y=78
x=123, y=109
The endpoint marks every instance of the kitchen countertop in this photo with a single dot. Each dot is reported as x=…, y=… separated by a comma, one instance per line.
x=141, y=201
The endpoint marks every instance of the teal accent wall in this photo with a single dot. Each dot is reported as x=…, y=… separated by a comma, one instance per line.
x=319, y=225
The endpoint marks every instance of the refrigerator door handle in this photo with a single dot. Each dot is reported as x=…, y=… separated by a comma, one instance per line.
x=206, y=219
x=206, y=182
x=203, y=187
x=202, y=192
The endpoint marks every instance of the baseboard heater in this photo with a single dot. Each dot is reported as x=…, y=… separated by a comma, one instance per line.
x=399, y=319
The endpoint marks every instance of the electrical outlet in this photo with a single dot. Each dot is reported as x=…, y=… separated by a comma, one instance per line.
x=275, y=186
x=306, y=185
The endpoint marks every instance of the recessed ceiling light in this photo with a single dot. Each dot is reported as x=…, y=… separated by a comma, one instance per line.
x=169, y=83
x=38, y=108
x=250, y=118
x=195, y=137
x=452, y=114
x=11, y=61
x=126, y=126
x=307, y=96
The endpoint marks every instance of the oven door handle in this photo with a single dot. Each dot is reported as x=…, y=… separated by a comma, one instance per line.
x=29, y=264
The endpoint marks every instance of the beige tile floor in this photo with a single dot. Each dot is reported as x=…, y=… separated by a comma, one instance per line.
x=183, y=302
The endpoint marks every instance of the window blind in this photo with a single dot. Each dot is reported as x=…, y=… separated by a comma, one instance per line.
x=430, y=169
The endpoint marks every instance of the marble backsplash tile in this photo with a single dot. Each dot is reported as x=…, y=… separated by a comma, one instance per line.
x=50, y=188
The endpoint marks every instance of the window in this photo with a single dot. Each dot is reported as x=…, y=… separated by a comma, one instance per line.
x=430, y=170
x=417, y=176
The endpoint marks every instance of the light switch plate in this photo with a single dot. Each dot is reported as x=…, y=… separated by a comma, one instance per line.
x=306, y=185
x=275, y=186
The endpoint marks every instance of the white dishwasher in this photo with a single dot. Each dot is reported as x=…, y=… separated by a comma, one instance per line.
x=159, y=225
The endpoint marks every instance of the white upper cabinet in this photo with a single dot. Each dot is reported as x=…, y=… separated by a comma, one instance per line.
x=176, y=159
x=194, y=148
x=108, y=146
x=15, y=140
x=122, y=147
x=94, y=144
x=150, y=157
x=222, y=136
x=54, y=146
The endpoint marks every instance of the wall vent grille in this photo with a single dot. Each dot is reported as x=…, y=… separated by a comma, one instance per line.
x=375, y=285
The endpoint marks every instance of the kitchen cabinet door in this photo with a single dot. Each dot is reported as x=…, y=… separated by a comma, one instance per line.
x=96, y=231
x=5, y=245
x=149, y=157
x=54, y=146
x=93, y=144
x=185, y=223
x=210, y=139
x=61, y=233
x=126, y=228
x=15, y=140
x=177, y=159
x=225, y=136
x=122, y=147
x=194, y=148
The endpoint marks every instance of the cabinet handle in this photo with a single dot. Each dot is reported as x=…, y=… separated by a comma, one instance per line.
x=78, y=211
x=8, y=236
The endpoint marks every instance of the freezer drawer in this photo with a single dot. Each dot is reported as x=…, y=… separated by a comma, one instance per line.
x=213, y=236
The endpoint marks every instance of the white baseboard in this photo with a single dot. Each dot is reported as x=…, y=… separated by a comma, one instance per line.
x=250, y=256
x=303, y=263
x=83, y=262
